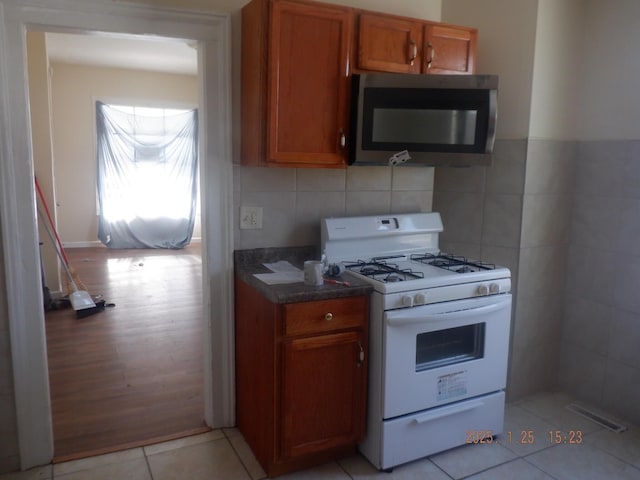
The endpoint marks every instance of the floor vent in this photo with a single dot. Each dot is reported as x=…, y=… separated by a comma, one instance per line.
x=597, y=418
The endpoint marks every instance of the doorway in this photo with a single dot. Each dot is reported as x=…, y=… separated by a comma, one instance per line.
x=132, y=374
x=20, y=248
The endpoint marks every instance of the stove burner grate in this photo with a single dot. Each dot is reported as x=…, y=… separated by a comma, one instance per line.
x=380, y=269
x=455, y=263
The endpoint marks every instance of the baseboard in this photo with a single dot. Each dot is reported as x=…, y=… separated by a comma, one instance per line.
x=95, y=243
x=98, y=243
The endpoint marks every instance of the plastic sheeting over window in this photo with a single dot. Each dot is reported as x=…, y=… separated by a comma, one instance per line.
x=147, y=176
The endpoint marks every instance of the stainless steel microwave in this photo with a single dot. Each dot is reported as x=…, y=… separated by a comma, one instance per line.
x=433, y=120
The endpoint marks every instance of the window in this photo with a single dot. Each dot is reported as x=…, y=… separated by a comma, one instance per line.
x=147, y=175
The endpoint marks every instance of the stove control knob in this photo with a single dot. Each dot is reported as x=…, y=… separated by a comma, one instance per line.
x=420, y=299
x=494, y=288
x=407, y=300
x=483, y=290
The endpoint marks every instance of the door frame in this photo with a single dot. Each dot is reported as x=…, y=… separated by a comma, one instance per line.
x=20, y=249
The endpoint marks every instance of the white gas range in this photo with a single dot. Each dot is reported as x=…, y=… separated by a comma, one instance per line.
x=439, y=335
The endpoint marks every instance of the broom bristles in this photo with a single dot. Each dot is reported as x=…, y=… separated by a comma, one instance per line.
x=68, y=288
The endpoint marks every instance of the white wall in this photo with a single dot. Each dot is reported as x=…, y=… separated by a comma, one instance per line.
x=75, y=89
x=506, y=41
x=419, y=8
x=557, y=79
x=611, y=73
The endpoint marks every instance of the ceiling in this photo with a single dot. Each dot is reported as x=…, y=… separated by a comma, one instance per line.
x=124, y=51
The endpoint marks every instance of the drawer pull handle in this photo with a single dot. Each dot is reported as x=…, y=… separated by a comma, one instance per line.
x=447, y=412
x=328, y=316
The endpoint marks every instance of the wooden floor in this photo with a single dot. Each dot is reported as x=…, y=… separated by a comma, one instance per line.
x=131, y=374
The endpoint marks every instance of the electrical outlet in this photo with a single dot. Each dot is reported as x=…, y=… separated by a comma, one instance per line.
x=250, y=218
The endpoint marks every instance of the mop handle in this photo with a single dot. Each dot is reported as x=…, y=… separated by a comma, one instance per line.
x=55, y=247
x=64, y=258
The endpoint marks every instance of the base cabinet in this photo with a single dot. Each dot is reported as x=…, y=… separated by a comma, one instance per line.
x=301, y=371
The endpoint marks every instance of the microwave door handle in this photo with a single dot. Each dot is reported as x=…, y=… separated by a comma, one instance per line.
x=413, y=317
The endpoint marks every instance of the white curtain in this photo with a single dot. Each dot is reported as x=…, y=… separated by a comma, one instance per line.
x=147, y=176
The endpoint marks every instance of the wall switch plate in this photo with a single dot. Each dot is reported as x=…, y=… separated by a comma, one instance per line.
x=250, y=218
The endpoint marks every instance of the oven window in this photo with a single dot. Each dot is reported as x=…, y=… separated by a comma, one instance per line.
x=450, y=346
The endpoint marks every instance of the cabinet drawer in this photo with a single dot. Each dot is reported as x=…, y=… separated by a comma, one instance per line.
x=324, y=315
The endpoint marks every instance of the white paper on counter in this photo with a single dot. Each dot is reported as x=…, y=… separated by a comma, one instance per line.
x=280, y=277
x=283, y=272
x=281, y=266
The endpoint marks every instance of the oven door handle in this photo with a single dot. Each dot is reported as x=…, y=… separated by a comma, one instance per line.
x=412, y=317
x=447, y=412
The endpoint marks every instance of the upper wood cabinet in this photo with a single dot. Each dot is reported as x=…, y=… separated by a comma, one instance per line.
x=295, y=90
x=387, y=43
x=450, y=49
x=296, y=66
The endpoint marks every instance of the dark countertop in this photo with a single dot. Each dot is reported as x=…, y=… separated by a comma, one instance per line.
x=249, y=262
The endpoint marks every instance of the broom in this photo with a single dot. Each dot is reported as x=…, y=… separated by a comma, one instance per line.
x=70, y=288
x=80, y=300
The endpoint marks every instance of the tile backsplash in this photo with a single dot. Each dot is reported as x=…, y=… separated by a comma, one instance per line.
x=564, y=216
x=511, y=214
x=295, y=200
x=600, y=359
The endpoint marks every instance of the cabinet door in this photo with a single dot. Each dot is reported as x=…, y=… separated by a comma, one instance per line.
x=388, y=44
x=450, y=49
x=323, y=392
x=308, y=83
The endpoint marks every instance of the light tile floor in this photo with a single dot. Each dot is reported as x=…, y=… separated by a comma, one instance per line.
x=224, y=455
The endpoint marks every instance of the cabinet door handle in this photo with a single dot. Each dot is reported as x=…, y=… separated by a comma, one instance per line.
x=360, y=354
x=432, y=52
x=328, y=316
x=343, y=139
x=413, y=51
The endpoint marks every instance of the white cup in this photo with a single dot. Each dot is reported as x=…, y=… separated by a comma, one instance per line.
x=313, y=272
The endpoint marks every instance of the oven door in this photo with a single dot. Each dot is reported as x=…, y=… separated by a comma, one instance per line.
x=444, y=352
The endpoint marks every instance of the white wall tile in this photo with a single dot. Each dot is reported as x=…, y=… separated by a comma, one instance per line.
x=624, y=337
x=546, y=220
x=582, y=372
x=587, y=324
x=411, y=201
x=311, y=208
x=464, y=179
x=621, y=392
x=321, y=179
x=502, y=220
x=278, y=217
x=542, y=271
x=368, y=203
x=361, y=179
x=507, y=171
x=550, y=166
x=412, y=178
x=260, y=179
x=600, y=167
x=461, y=215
